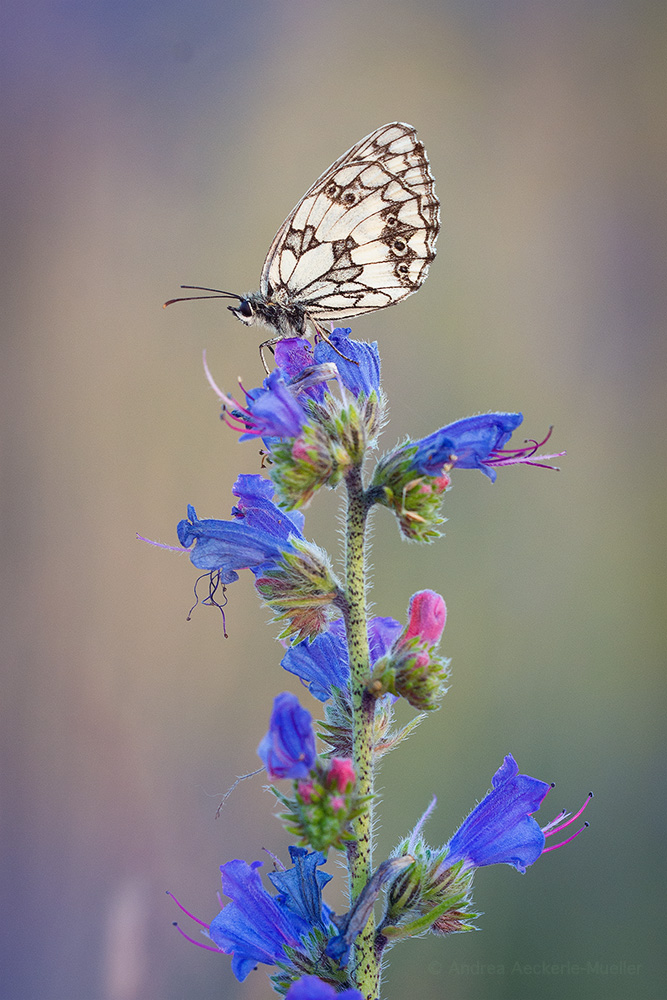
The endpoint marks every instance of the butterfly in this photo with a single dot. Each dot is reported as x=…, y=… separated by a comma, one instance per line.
x=361, y=239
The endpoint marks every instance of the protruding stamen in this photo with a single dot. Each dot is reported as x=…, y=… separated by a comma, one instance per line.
x=161, y=545
x=206, y=947
x=549, y=832
x=525, y=455
x=555, y=847
x=186, y=912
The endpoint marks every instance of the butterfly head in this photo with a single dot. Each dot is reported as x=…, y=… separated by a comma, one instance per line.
x=245, y=311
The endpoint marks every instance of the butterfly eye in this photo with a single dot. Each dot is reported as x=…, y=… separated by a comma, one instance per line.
x=244, y=309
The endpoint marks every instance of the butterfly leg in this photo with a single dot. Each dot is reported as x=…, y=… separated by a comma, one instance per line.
x=321, y=332
x=269, y=344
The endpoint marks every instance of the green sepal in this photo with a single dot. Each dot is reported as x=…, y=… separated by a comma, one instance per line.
x=415, y=499
x=426, y=921
x=300, y=590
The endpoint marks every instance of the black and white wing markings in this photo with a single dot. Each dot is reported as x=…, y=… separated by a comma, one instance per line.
x=361, y=238
x=364, y=234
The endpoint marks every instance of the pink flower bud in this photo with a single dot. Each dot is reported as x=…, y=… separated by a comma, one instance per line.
x=305, y=790
x=428, y=614
x=341, y=773
x=300, y=451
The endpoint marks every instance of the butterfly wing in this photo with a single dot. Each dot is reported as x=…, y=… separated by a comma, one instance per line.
x=364, y=234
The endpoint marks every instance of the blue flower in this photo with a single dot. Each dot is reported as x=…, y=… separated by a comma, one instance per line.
x=277, y=409
x=272, y=411
x=300, y=888
x=477, y=443
x=312, y=988
x=257, y=510
x=256, y=926
x=255, y=539
x=323, y=663
x=296, y=361
x=472, y=443
x=364, y=376
x=501, y=829
x=288, y=749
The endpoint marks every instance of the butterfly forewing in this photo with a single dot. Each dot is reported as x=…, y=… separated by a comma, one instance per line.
x=364, y=234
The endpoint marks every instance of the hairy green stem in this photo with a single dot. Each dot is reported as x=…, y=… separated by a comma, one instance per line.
x=363, y=710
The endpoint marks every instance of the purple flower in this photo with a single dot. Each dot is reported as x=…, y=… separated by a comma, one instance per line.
x=256, y=926
x=501, y=829
x=288, y=749
x=300, y=888
x=362, y=376
x=255, y=539
x=323, y=663
x=278, y=408
x=312, y=988
x=477, y=443
x=272, y=411
x=294, y=358
x=257, y=510
x=473, y=443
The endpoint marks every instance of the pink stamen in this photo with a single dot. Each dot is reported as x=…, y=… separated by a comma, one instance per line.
x=563, y=814
x=228, y=401
x=517, y=456
x=187, y=912
x=206, y=947
x=555, y=847
x=548, y=832
x=211, y=381
x=522, y=459
x=162, y=545
x=236, y=423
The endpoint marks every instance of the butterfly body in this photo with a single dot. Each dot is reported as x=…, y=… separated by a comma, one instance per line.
x=283, y=319
x=361, y=239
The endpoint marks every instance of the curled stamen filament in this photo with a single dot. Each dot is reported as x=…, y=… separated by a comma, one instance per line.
x=523, y=456
x=550, y=829
x=187, y=912
x=231, y=405
x=206, y=947
x=554, y=847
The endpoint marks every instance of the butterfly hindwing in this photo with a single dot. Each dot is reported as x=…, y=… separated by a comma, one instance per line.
x=363, y=235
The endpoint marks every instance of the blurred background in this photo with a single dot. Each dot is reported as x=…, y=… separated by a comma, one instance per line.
x=148, y=145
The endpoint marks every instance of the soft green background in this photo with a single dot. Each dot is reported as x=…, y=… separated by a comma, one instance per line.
x=150, y=144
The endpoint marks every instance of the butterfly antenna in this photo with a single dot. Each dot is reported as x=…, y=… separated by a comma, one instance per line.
x=219, y=294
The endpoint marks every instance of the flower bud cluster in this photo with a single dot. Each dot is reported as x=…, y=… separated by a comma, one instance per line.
x=426, y=898
x=323, y=805
x=411, y=669
x=300, y=590
x=324, y=800
x=415, y=499
x=313, y=437
x=332, y=441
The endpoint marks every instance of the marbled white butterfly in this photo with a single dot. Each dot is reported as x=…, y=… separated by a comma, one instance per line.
x=361, y=238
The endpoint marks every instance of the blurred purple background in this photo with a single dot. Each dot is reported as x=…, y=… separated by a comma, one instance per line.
x=149, y=145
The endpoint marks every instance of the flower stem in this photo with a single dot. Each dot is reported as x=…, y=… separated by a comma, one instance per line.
x=363, y=710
